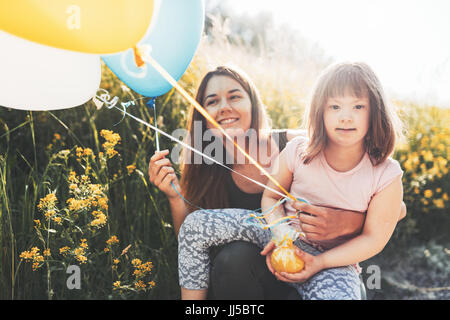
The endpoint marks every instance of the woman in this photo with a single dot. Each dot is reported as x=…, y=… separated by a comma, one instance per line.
x=238, y=270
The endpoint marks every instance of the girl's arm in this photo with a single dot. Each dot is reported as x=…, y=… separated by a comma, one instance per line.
x=269, y=198
x=382, y=217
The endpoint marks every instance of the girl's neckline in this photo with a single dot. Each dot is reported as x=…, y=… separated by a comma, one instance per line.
x=324, y=161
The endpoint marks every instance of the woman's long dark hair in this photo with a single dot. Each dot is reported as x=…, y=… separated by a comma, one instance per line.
x=205, y=184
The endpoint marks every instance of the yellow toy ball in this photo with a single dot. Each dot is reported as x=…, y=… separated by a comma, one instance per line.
x=284, y=259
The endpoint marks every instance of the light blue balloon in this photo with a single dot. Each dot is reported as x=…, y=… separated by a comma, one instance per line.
x=172, y=40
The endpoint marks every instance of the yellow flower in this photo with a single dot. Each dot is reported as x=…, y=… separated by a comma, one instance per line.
x=58, y=220
x=136, y=262
x=84, y=244
x=112, y=240
x=116, y=261
x=100, y=219
x=50, y=213
x=116, y=285
x=73, y=177
x=439, y=203
x=81, y=258
x=88, y=152
x=131, y=169
x=79, y=152
x=428, y=193
x=445, y=196
x=47, y=252
x=103, y=203
x=64, y=250
x=48, y=202
x=427, y=155
x=140, y=285
x=79, y=251
x=111, y=140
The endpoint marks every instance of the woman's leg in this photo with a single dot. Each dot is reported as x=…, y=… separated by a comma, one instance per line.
x=239, y=272
x=203, y=229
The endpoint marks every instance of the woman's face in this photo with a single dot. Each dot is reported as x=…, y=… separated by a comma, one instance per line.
x=229, y=104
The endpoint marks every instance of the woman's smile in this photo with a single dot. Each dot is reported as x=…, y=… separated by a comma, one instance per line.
x=228, y=120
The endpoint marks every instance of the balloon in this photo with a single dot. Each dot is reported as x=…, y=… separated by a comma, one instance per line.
x=91, y=26
x=171, y=40
x=38, y=77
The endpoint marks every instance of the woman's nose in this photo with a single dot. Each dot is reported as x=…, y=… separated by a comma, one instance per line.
x=224, y=106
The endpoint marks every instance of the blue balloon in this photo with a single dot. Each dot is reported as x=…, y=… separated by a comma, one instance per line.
x=172, y=40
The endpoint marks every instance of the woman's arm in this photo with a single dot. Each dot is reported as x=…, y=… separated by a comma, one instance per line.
x=162, y=175
x=380, y=224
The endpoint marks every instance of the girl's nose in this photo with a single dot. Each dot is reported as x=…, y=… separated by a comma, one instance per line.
x=345, y=116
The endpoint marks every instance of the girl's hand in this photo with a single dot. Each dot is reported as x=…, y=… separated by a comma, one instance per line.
x=322, y=223
x=161, y=174
x=313, y=264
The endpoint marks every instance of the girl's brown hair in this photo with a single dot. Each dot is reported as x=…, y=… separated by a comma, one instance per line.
x=358, y=79
x=205, y=184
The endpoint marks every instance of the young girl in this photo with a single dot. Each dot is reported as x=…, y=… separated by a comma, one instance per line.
x=345, y=164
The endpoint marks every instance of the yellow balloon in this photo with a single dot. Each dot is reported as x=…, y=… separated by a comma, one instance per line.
x=91, y=26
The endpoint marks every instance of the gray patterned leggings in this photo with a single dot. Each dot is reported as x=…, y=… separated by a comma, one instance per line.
x=204, y=229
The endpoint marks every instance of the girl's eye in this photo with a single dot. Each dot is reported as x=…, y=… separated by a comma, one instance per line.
x=334, y=107
x=359, y=107
x=234, y=97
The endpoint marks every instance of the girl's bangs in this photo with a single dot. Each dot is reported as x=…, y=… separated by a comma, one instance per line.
x=347, y=81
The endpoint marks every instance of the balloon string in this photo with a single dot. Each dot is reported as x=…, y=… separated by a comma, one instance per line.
x=291, y=235
x=151, y=104
x=198, y=152
x=208, y=117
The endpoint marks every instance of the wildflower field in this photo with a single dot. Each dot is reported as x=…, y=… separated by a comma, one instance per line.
x=74, y=189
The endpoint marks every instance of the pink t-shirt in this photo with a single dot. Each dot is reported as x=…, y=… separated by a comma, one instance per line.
x=321, y=185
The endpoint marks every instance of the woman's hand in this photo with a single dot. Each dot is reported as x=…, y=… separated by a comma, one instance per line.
x=313, y=264
x=322, y=223
x=162, y=174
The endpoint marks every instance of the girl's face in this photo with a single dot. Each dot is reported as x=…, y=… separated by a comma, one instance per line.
x=229, y=104
x=346, y=120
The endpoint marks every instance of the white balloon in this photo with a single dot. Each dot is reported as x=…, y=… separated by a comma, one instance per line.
x=38, y=77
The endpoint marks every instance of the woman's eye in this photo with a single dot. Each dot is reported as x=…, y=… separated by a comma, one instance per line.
x=234, y=97
x=211, y=103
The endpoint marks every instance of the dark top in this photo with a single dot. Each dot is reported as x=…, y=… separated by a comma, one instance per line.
x=252, y=201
